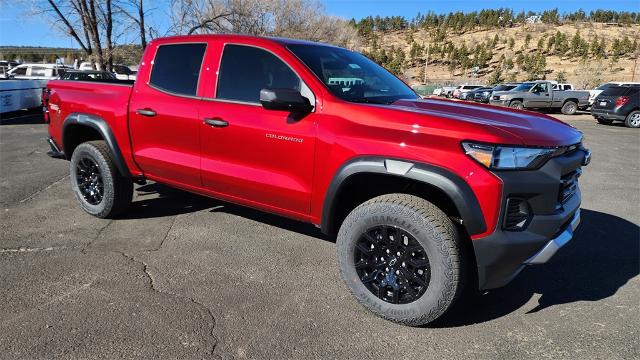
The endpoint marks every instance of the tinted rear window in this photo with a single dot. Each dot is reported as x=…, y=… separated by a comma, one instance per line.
x=176, y=68
x=615, y=91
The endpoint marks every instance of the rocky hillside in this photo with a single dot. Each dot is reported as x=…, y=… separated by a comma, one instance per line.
x=584, y=53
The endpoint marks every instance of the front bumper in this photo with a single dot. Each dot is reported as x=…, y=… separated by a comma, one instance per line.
x=551, y=224
x=606, y=114
x=499, y=102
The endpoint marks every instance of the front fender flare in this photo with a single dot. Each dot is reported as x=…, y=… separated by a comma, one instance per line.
x=101, y=126
x=452, y=185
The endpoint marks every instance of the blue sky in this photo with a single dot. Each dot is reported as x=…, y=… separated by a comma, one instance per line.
x=17, y=27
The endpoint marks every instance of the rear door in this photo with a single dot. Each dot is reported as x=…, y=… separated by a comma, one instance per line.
x=253, y=155
x=163, y=115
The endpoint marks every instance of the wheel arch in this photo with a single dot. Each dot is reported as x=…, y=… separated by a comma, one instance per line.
x=447, y=190
x=79, y=127
x=570, y=99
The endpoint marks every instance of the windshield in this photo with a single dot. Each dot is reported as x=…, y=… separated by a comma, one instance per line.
x=524, y=87
x=503, y=87
x=352, y=76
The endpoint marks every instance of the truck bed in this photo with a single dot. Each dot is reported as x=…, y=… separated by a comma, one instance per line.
x=104, y=100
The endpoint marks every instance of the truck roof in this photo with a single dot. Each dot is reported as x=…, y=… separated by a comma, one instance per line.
x=239, y=37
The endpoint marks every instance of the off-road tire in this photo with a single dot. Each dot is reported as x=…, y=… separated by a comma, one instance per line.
x=633, y=119
x=516, y=104
x=433, y=230
x=569, y=108
x=605, y=121
x=118, y=189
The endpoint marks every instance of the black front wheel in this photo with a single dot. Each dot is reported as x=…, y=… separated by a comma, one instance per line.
x=101, y=190
x=400, y=256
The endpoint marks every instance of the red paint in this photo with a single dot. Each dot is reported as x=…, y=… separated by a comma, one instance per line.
x=250, y=163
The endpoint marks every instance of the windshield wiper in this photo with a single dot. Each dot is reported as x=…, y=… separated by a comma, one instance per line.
x=370, y=101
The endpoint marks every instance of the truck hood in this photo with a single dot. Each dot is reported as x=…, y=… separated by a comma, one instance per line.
x=498, y=93
x=531, y=128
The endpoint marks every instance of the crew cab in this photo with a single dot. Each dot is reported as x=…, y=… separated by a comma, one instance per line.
x=542, y=95
x=423, y=196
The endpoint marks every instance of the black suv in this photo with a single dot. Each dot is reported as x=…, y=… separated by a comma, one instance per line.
x=621, y=103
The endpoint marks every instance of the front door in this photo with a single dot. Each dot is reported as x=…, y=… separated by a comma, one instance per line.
x=163, y=113
x=249, y=154
x=539, y=96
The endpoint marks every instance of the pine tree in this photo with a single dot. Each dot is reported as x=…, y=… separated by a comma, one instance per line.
x=496, y=77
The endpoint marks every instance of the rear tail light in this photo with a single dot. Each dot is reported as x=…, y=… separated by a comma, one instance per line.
x=622, y=100
x=45, y=104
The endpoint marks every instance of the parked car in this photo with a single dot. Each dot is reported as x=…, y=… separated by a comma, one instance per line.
x=618, y=103
x=5, y=66
x=475, y=94
x=445, y=91
x=597, y=91
x=37, y=71
x=485, y=95
x=87, y=75
x=423, y=196
x=463, y=89
x=539, y=95
x=123, y=72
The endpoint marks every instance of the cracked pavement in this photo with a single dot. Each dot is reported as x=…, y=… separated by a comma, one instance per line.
x=182, y=276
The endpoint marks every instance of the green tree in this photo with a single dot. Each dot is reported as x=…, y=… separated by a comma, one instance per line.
x=561, y=77
x=527, y=40
x=496, y=77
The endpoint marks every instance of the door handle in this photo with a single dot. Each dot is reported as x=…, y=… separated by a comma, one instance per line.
x=216, y=122
x=146, y=112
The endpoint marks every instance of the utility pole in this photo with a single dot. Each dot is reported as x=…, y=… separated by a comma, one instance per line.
x=635, y=65
x=426, y=62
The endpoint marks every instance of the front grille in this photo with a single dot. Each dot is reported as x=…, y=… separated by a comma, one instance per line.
x=568, y=185
x=517, y=214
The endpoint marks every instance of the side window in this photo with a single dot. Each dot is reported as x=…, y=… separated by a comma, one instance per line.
x=176, y=68
x=20, y=71
x=540, y=88
x=38, y=71
x=245, y=70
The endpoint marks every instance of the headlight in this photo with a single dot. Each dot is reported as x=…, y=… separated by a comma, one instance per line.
x=503, y=97
x=507, y=157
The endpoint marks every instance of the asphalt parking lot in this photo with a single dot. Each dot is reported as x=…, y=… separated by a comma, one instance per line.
x=182, y=276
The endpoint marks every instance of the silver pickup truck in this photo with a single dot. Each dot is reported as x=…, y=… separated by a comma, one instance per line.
x=539, y=95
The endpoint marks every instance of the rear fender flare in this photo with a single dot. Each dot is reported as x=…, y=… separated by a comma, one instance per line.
x=449, y=183
x=101, y=126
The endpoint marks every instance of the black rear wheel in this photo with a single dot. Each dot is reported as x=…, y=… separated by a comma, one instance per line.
x=101, y=190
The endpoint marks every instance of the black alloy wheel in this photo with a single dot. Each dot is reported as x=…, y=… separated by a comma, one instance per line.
x=90, y=181
x=392, y=264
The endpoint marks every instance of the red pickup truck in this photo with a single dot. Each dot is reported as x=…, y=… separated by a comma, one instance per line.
x=424, y=196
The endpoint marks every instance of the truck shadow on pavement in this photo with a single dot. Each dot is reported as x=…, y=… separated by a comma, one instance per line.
x=601, y=258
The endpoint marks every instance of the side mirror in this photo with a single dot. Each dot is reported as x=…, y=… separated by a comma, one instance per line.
x=285, y=99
